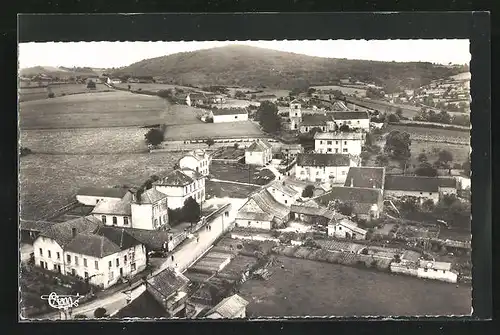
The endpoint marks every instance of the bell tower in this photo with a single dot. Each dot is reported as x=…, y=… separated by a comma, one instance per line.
x=295, y=114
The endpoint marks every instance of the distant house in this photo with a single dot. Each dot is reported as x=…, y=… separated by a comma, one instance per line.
x=423, y=188
x=323, y=168
x=436, y=270
x=367, y=202
x=355, y=120
x=197, y=160
x=283, y=193
x=232, y=307
x=218, y=99
x=90, y=196
x=181, y=184
x=229, y=115
x=347, y=229
x=259, y=153
x=196, y=99
x=113, y=81
x=339, y=143
x=313, y=213
x=366, y=177
x=291, y=150
x=262, y=211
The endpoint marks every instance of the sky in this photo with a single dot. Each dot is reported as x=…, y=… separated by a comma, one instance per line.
x=118, y=54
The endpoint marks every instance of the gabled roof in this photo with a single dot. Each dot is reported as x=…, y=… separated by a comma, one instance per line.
x=194, y=175
x=281, y=186
x=228, y=307
x=151, y=196
x=34, y=225
x=103, y=192
x=417, y=183
x=269, y=205
x=260, y=145
x=338, y=136
x=339, y=106
x=144, y=306
x=254, y=216
x=314, y=120
x=152, y=239
x=62, y=232
x=349, y=115
x=165, y=284
x=316, y=159
x=199, y=96
x=315, y=211
x=362, y=198
x=175, y=178
x=114, y=206
x=198, y=154
x=365, y=177
x=230, y=111
x=351, y=225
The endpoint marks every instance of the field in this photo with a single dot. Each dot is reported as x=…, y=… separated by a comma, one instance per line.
x=346, y=90
x=460, y=152
x=212, y=130
x=153, y=87
x=41, y=93
x=221, y=190
x=438, y=134
x=309, y=288
x=236, y=103
x=237, y=173
x=48, y=182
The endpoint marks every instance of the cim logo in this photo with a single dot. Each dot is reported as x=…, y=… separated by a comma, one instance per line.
x=62, y=301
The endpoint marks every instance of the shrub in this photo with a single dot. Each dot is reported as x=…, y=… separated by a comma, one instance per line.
x=373, y=263
x=308, y=191
x=100, y=312
x=393, y=118
x=154, y=136
x=80, y=316
x=364, y=251
x=51, y=95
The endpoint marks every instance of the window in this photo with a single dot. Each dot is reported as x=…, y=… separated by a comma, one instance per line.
x=328, y=142
x=226, y=214
x=286, y=201
x=336, y=142
x=340, y=228
x=420, y=192
x=110, y=275
x=96, y=265
x=73, y=272
x=103, y=219
x=430, y=193
x=42, y=264
x=125, y=221
x=86, y=275
x=344, y=150
x=115, y=221
x=58, y=255
x=329, y=149
x=76, y=260
x=117, y=262
x=336, y=150
x=249, y=223
x=320, y=142
x=125, y=259
x=343, y=173
x=68, y=258
x=358, y=122
x=41, y=252
x=85, y=262
x=110, y=264
x=156, y=222
x=236, y=116
x=345, y=142
x=425, y=269
x=444, y=271
x=49, y=254
x=132, y=266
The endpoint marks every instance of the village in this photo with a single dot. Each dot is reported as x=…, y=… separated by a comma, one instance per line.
x=169, y=247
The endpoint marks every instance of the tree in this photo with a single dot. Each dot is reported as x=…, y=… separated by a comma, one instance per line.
x=392, y=118
x=240, y=95
x=100, y=312
x=399, y=112
x=51, y=95
x=344, y=128
x=345, y=208
x=368, y=140
x=91, y=85
x=267, y=115
x=422, y=158
x=308, y=191
x=210, y=142
x=154, y=136
x=397, y=145
x=310, y=91
x=191, y=211
x=382, y=160
x=425, y=169
x=445, y=157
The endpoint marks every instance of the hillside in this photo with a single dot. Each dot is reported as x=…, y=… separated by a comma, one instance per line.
x=60, y=72
x=238, y=65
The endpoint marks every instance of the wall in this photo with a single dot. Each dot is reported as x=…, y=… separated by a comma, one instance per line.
x=399, y=268
x=281, y=197
x=190, y=162
x=119, y=219
x=359, y=123
x=322, y=173
x=340, y=146
x=177, y=195
x=434, y=196
x=230, y=118
x=446, y=276
x=254, y=224
x=48, y=244
x=139, y=260
x=342, y=231
x=253, y=238
x=90, y=200
x=144, y=217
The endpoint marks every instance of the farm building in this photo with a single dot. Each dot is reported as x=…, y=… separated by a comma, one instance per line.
x=196, y=99
x=283, y=193
x=232, y=307
x=366, y=177
x=229, y=115
x=290, y=150
x=347, y=229
x=90, y=196
x=311, y=212
x=259, y=153
x=141, y=210
x=355, y=120
x=83, y=247
x=323, y=168
x=423, y=188
x=436, y=270
x=113, y=81
x=197, y=160
x=367, y=202
x=181, y=184
x=262, y=211
x=339, y=143
x=30, y=229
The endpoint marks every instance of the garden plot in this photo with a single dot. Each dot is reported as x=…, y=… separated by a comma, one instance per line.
x=212, y=262
x=419, y=232
x=341, y=246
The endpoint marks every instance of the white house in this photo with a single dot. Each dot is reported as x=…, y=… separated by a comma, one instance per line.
x=436, y=270
x=197, y=160
x=339, y=143
x=229, y=115
x=323, y=168
x=424, y=188
x=347, y=229
x=181, y=184
x=259, y=153
x=262, y=211
x=353, y=119
x=90, y=196
x=113, y=81
x=283, y=193
x=232, y=307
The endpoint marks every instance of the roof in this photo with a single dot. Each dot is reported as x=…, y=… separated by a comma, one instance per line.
x=198, y=154
x=417, y=183
x=151, y=196
x=144, y=306
x=34, y=225
x=349, y=115
x=229, y=307
x=197, y=96
x=338, y=136
x=254, y=216
x=361, y=198
x=194, y=175
x=284, y=188
x=316, y=159
x=365, y=177
x=269, y=205
x=435, y=265
x=166, y=283
x=103, y=242
x=152, y=239
x=352, y=226
x=230, y=111
x=103, y=192
x=260, y=145
x=314, y=120
x=314, y=211
x=114, y=206
x=339, y=106
x=62, y=232
x=176, y=178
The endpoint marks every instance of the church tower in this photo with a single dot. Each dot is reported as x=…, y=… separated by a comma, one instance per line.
x=295, y=115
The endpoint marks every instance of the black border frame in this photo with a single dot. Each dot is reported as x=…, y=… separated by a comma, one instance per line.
x=474, y=26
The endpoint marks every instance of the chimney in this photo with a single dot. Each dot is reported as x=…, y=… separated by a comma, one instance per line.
x=73, y=232
x=352, y=182
x=134, y=195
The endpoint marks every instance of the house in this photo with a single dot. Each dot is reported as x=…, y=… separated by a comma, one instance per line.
x=259, y=153
x=262, y=211
x=347, y=229
x=196, y=99
x=113, y=81
x=169, y=288
x=232, y=307
x=181, y=184
x=30, y=229
x=291, y=150
x=229, y=115
x=218, y=99
x=197, y=160
x=83, y=247
x=366, y=177
x=90, y=196
x=141, y=210
x=339, y=143
x=436, y=270
x=367, y=202
x=323, y=168
x=283, y=193
x=353, y=119
x=311, y=212
x=424, y=188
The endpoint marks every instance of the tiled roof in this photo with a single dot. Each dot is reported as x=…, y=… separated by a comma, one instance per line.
x=339, y=106
x=314, y=120
x=254, y=216
x=103, y=192
x=361, y=198
x=338, y=136
x=315, y=159
x=114, y=207
x=230, y=111
x=152, y=239
x=260, y=145
x=281, y=186
x=314, y=211
x=269, y=205
x=191, y=173
x=62, y=232
x=144, y=306
x=435, y=265
x=197, y=96
x=166, y=283
x=417, y=183
x=448, y=182
x=34, y=225
x=352, y=226
x=365, y=177
x=176, y=178
x=229, y=307
x=151, y=196
x=350, y=115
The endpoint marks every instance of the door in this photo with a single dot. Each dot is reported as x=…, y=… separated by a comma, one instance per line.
x=59, y=268
x=121, y=272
